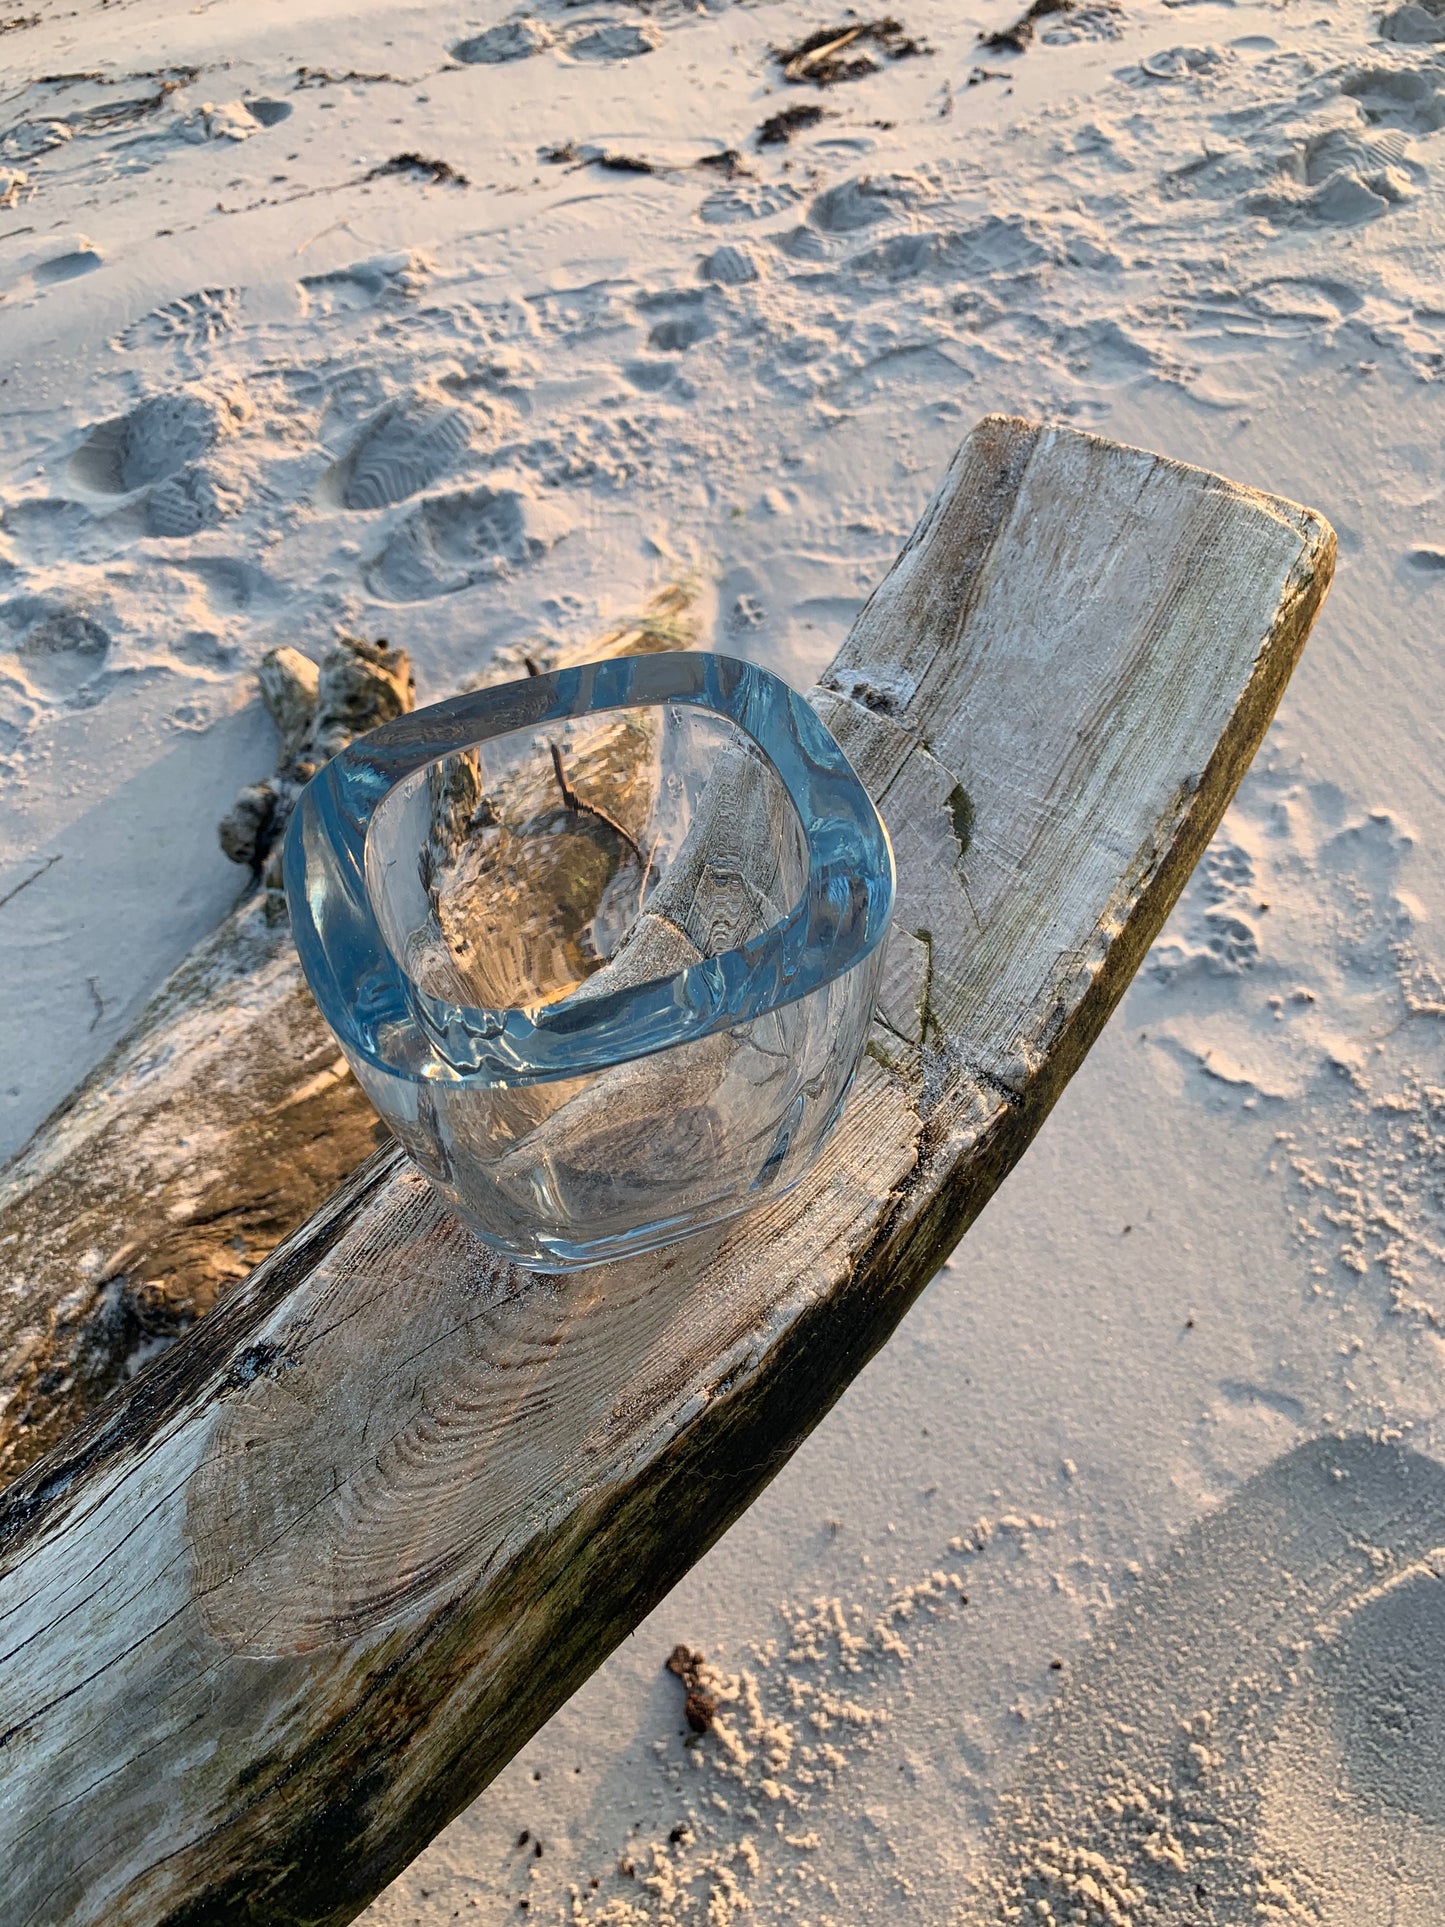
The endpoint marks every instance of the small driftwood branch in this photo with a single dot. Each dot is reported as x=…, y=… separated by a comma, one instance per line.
x=278, y=1612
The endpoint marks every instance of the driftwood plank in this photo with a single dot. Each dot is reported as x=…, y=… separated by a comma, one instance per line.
x=275, y=1614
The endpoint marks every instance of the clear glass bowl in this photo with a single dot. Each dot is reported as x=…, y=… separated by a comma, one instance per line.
x=601, y=946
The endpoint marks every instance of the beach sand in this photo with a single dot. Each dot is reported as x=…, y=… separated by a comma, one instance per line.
x=1107, y=1594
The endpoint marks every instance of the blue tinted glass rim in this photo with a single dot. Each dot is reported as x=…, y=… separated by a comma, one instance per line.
x=371, y=1003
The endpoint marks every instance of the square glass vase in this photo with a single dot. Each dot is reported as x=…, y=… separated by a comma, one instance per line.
x=601, y=946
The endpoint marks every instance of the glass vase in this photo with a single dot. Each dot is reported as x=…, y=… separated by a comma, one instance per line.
x=601, y=946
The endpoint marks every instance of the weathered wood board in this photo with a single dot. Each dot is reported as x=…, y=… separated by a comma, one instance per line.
x=278, y=1611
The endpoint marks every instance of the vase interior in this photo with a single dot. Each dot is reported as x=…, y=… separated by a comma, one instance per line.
x=544, y=865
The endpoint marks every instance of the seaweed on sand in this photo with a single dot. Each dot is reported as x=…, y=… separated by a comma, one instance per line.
x=843, y=52
x=420, y=167
x=780, y=128
x=1015, y=38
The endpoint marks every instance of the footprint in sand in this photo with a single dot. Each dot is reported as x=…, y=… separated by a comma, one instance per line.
x=405, y=447
x=58, y=259
x=268, y=112
x=1419, y=23
x=1231, y=321
x=1341, y=177
x=58, y=648
x=46, y=529
x=1301, y=304
x=192, y=321
x=615, y=40
x=1104, y=351
x=1411, y=98
x=1062, y=28
x=801, y=244
x=449, y=542
x=508, y=40
x=748, y=201
x=234, y=586
x=651, y=377
x=729, y=266
x=861, y=202
x=73, y=258
x=198, y=497
x=1259, y=1734
x=1181, y=63
x=383, y=280
x=998, y=244
x=1243, y=1426
x=1377, y=1713
x=157, y=437
x=1301, y=881
x=684, y=319
x=901, y=256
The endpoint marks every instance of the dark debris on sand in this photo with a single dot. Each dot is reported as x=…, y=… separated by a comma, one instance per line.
x=323, y=77
x=700, y=1707
x=727, y=161
x=846, y=52
x=780, y=128
x=622, y=163
x=420, y=167
x=569, y=154
x=130, y=108
x=1015, y=38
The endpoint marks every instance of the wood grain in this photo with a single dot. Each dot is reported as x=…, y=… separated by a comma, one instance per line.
x=276, y=1614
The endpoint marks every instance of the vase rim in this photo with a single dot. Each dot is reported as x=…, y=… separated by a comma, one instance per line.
x=381, y=1014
